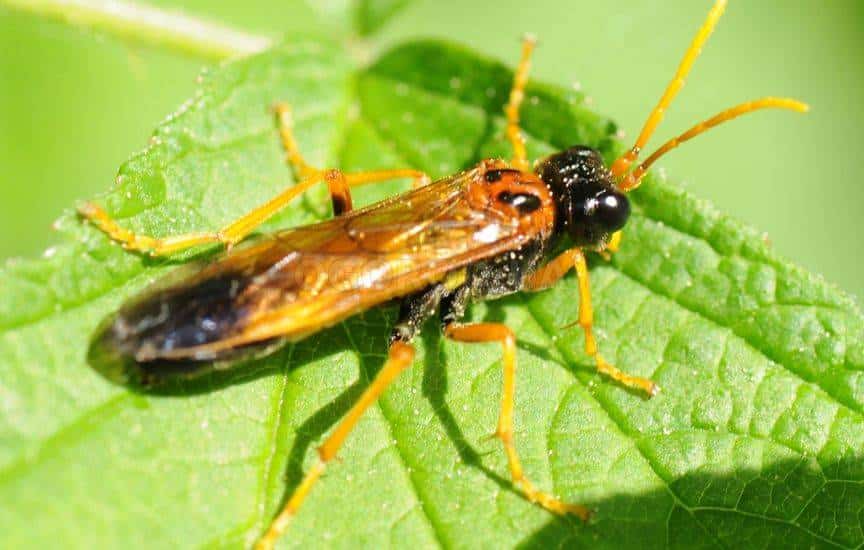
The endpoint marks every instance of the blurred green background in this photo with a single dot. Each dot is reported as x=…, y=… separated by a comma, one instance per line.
x=74, y=105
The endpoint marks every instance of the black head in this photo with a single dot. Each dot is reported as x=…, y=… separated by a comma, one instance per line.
x=589, y=208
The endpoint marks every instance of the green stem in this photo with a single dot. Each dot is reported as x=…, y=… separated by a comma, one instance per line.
x=147, y=25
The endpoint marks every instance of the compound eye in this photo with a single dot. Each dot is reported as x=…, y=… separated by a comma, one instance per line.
x=612, y=210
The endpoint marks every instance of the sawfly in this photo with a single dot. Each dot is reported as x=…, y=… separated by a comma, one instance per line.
x=486, y=232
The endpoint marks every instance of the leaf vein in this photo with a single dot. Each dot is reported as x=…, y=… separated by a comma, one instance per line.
x=620, y=427
x=437, y=530
x=749, y=343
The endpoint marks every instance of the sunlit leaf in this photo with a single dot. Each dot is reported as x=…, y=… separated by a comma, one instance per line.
x=756, y=440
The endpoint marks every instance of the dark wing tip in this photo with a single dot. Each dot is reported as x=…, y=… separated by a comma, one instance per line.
x=110, y=357
x=132, y=345
x=116, y=355
x=126, y=355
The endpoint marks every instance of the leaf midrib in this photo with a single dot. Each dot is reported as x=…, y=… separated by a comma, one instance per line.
x=436, y=528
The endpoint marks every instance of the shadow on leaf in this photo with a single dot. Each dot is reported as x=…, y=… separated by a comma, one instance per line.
x=784, y=505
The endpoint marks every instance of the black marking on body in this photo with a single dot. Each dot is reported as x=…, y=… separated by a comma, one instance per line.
x=496, y=175
x=498, y=276
x=340, y=205
x=414, y=310
x=504, y=274
x=453, y=305
x=525, y=203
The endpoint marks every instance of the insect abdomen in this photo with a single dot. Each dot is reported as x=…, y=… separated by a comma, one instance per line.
x=165, y=334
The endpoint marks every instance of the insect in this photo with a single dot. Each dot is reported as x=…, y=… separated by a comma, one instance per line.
x=485, y=232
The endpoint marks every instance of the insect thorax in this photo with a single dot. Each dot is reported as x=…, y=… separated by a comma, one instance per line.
x=504, y=274
x=497, y=276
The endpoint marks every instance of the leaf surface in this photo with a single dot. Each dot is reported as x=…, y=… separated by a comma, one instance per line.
x=756, y=439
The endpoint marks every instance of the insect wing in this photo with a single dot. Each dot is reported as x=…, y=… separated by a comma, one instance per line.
x=298, y=281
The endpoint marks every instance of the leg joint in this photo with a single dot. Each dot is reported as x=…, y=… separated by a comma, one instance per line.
x=333, y=175
x=326, y=454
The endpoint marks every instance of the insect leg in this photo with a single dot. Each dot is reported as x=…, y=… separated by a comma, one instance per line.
x=557, y=268
x=549, y=274
x=495, y=332
x=615, y=242
x=613, y=246
x=337, y=182
x=517, y=94
x=304, y=170
x=399, y=358
x=289, y=142
x=230, y=235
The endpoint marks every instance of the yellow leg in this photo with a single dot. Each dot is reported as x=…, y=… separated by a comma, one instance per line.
x=304, y=170
x=615, y=242
x=292, y=151
x=494, y=332
x=337, y=182
x=557, y=268
x=400, y=358
x=613, y=246
x=517, y=94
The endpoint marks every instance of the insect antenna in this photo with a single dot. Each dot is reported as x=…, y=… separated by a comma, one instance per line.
x=631, y=181
x=621, y=165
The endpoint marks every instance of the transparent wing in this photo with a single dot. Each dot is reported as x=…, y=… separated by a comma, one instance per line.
x=298, y=281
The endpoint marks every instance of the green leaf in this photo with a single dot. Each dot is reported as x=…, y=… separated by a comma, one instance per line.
x=757, y=438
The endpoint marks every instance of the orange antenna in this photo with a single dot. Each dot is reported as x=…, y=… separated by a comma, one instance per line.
x=622, y=163
x=631, y=180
